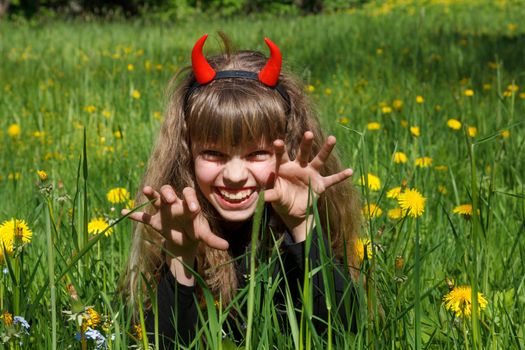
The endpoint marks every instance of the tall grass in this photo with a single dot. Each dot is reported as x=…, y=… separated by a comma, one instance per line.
x=61, y=78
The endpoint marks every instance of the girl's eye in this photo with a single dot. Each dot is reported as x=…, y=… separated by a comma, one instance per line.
x=213, y=155
x=259, y=155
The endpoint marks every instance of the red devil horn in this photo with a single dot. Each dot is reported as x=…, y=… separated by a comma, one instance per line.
x=269, y=75
x=204, y=73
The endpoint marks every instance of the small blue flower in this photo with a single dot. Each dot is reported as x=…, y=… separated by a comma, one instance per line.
x=20, y=320
x=93, y=334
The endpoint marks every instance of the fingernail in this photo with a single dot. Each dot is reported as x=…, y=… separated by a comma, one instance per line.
x=193, y=206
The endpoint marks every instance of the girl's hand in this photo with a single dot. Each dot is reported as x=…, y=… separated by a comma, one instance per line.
x=181, y=222
x=289, y=195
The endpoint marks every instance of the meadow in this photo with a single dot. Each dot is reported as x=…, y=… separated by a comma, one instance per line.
x=425, y=98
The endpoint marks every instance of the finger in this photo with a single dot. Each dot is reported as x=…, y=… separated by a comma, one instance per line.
x=190, y=200
x=305, y=148
x=279, y=148
x=139, y=216
x=152, y=195
x=203, y=233
x=321, y=157
x=337, y=178
x=271, y=195
x=168, y=194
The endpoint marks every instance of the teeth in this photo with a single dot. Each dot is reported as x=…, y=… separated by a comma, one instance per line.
x=238, y=196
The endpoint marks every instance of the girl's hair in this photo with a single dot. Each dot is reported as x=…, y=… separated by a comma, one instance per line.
x=229, y=112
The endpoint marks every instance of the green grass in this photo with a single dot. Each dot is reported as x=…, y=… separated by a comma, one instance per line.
x=357, y=63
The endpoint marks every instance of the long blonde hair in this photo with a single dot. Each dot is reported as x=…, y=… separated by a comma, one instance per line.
x=229, y=112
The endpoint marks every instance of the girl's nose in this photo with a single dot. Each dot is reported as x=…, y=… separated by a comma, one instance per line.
x=235, y=171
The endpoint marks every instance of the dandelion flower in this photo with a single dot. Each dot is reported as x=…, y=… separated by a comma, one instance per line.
x=106, y=113
x=118, y=195
x=386, y=109
x=310, y=88
x=372, y=211
x=454, y=124
x=90, y=109
x=487, y=86
x=393, y=193
x=343, y=120
x=442, y=189
x=468, y=92
x=441, y=167
x=464, y=210
x=327, y=91
x=91, y=318
x=472, y=131
x=505, y=133
x=98, y=225
x=395, y=213
x=373, y=126
x=8, y=318
x=397, y=104
x=12, y=231
x=415, y=131
x=459, y=301
x=42, y=175
x=374, y=183
x=420, y=99
x=14, y=130
x=412, y=202
x=400, y=157
x=135, y=94
x=131, y=67
x=513, y=87
x=362, y=245
x=424, y=162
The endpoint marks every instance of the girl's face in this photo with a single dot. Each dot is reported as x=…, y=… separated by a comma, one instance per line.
x=231, y=179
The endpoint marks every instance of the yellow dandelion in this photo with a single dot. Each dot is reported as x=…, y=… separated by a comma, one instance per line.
x=117, y=134
x=14, y=130
x=310, y=88
x=442, y=189
x=131, y=67
x=397, y=104
x=441, y=167
x=130, y=204
x=91, y=319
x=459, y=301
x=400, y=157
x=386, y=109
x=343, y=120
x=393, y=193
x=415, y=131
x=90, y=109
x=472, y=131
x=135, y=94
x=138, y=331
x=468, y=92
x=8, y=318
x=106, y=113
x=420, y=99
x=423, y=162
x=522, y=95
x=372, y=211
x=404, y=123
x=465, y=210
x=42, y=175
x=373, y=126
x=487, y=86
x=412, y=202
x=507, y=93
x=98, y=225
x=454, y=124
x=327, y=91
x=395, y=213
x=512, y=27
x=374, y=182
x=118, y=195
x=362, y=245
x=159, y=67
x=513, y=88
x=505, y=133
x=12, y=231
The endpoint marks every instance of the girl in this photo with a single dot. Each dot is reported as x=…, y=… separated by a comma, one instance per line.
x=235, y=126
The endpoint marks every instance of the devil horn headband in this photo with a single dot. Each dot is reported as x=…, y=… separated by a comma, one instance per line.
x=269, y=74
x=204, y=73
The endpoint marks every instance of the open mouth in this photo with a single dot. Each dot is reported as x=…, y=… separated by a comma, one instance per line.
x=235, y=196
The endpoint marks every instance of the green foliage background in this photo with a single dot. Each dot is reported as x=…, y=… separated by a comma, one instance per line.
x=61, y=78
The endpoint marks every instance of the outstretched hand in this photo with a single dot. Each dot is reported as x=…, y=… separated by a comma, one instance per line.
x=289, y=195
x=179, y=220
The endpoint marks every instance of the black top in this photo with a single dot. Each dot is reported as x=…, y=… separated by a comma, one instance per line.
x=178, y=314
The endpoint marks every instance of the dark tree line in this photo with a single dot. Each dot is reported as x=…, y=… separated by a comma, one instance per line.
x=132, y=8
